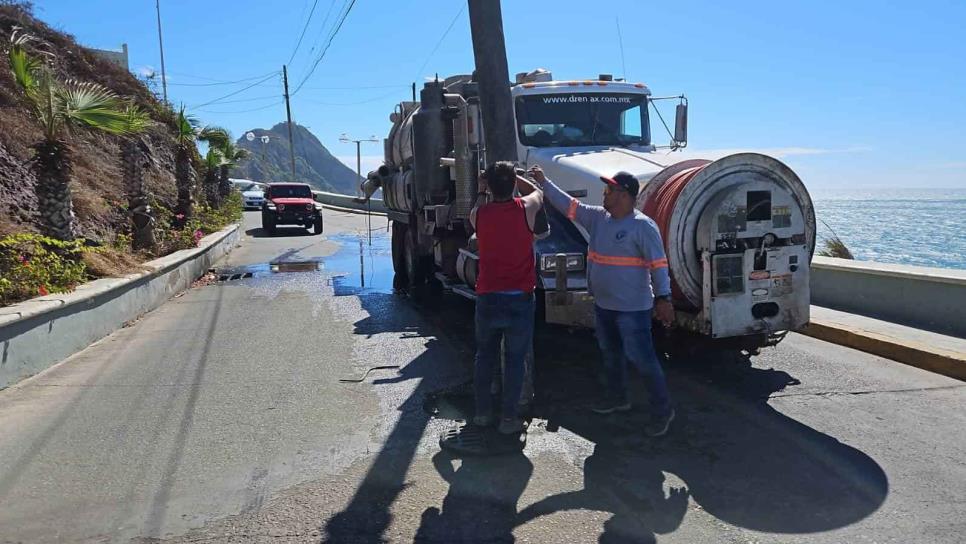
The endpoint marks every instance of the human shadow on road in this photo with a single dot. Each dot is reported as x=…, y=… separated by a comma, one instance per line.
x=741, y=460
x=735, y=456
x=280, y=232
x=481, y=504
x=368, y=514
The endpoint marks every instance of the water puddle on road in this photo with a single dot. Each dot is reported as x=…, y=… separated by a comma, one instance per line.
x=357, y=268
x=360, y=268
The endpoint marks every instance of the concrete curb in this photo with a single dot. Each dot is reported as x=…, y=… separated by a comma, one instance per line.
x=903, y=350
x=40, y=332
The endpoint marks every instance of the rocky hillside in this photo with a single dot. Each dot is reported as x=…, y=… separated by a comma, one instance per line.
x=97, y=187
x=313, y=162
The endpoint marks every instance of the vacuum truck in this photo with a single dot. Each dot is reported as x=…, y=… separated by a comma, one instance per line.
x=739, y=231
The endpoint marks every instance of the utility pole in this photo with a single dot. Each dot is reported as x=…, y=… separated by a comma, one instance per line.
x=288, y=112
x=164, y=78
x=489, y=51
x=346, y=139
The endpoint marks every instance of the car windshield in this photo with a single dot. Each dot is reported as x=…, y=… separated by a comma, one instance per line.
x=580, y=119
x=290, y=191
x=250, y=187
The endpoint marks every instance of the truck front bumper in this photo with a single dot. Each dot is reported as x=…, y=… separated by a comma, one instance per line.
x=570, y=308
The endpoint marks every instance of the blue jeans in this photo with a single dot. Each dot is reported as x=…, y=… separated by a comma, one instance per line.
x=626, y=336
x=508, y=318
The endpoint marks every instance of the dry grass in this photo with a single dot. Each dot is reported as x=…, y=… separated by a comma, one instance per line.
x=108, y=262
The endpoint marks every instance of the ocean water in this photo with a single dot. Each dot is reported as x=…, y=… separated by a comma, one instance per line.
x=922, y=227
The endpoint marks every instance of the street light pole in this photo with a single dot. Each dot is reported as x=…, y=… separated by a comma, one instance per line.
x=346, y=139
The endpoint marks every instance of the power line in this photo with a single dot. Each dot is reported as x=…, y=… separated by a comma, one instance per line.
x=304, y=28
x=366, y=101
x=216, y=81
x=244, y=111
x=219, y=99
x=356, y=87
x=255, y=99
x=326, y=49
x=440, y=42
x=325, y=21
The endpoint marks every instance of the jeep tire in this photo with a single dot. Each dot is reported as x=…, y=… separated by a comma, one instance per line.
x=268, y=224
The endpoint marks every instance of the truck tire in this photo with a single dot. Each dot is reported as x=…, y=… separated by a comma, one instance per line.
x=416, y=270
x=268, y=224
x=318, y=225
x=399, y=249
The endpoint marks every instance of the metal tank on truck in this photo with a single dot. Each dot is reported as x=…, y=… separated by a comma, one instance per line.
x=739, y=231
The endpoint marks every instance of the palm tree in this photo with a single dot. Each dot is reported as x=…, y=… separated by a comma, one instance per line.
x=132, y=160
x=212, y=161
x=231, y=154
x=216, y=138
x=186, y=133
x=59, y=107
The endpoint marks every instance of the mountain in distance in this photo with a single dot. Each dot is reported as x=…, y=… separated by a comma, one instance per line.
x=269, y=162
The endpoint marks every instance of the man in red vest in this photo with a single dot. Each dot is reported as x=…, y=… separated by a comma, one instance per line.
x=505, y=306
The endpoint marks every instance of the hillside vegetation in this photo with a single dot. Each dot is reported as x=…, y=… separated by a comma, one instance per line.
x=96, y=173
x=97, y=181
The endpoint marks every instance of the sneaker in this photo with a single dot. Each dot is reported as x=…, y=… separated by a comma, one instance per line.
x=483, y=421
x=511, y=425
x=658, y=426
x=610, y=406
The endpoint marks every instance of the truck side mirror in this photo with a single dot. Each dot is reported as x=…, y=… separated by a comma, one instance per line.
x=681, y=125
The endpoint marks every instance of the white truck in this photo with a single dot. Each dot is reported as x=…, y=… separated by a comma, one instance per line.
x=739, y=231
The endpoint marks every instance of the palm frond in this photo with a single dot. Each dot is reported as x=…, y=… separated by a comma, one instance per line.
x=214, y=136
x=213, y=159
x=186, y=128
x=91, y=105
x=136, y=120
x=233, y=153
x=24, y=67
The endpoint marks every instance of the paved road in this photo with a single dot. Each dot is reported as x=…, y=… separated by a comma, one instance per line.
x=221, y=417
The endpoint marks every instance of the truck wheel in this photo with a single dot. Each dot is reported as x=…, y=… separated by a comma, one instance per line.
x=268, y=224
x=318, y=225
x=399, y=253
x=415, y=264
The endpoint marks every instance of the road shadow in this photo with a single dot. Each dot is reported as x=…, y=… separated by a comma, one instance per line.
x=280, y=232
x=368, y=514
x=739, y=459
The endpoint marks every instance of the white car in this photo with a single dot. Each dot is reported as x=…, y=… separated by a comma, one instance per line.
x=253, y=196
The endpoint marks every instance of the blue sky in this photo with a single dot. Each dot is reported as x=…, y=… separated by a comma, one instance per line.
x=850, y=94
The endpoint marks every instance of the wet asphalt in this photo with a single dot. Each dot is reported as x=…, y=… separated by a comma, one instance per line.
x=289, y=398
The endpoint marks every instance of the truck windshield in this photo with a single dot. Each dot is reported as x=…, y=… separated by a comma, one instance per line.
x=580, y=119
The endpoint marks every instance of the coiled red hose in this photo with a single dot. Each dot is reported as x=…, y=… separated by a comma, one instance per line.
x=659, y=206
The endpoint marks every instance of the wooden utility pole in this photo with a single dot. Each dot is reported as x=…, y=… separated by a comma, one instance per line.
x=489, y=51
x=288, y=112
x=164, y=78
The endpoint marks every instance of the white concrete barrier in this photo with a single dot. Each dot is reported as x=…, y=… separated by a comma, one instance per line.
x=349, y=202
x=40, y=332
x=928, y=298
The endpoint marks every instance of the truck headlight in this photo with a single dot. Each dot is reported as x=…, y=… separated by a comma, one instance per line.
x=575, y=262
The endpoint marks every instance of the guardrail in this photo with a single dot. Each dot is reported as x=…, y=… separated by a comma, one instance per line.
x=349, y=202
x=927, y=298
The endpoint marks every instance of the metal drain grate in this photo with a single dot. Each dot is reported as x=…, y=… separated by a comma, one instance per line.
x=233, y=277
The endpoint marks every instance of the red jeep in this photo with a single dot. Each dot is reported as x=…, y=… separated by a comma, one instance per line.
x=290, y=204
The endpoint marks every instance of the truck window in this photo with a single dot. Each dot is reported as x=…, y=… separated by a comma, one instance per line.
x=582, y=119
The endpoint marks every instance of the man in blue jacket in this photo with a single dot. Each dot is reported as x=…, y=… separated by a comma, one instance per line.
x=628, y=275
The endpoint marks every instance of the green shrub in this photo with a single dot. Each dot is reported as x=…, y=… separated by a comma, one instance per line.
x=33, y=265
